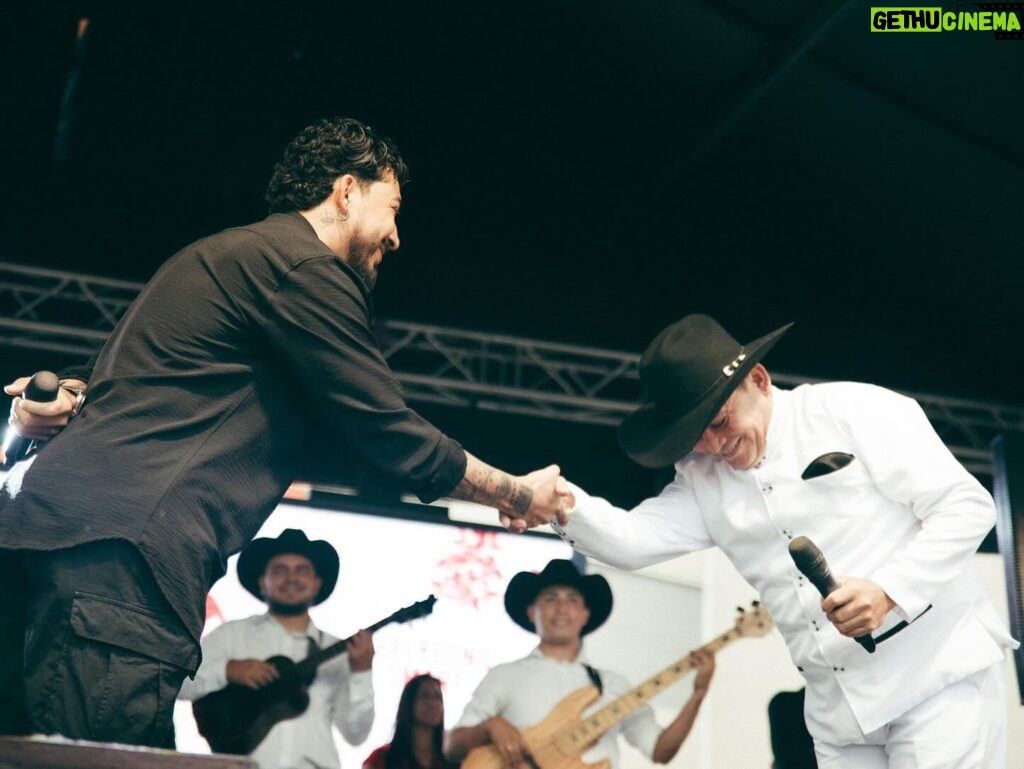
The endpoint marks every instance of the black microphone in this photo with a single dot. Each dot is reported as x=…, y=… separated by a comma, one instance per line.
x=43, y=387
x=811, y=562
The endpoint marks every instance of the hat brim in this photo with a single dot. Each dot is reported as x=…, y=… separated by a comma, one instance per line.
x=652, y=441
x=523, y=589
x=254, y=558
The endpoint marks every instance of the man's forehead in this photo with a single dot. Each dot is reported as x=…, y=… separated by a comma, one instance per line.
x=557, y=588
x=283, y=558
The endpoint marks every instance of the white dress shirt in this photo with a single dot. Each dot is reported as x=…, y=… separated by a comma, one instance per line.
x=904, y=513
x=337, y=696
x=525, y=692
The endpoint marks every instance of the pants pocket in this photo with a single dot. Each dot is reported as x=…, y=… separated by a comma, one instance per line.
x=123, y=665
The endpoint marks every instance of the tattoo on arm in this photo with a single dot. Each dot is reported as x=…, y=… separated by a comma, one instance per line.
x=522, y=498
x=490, y=486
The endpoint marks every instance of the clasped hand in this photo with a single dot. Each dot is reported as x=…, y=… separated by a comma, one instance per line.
x=551, y=501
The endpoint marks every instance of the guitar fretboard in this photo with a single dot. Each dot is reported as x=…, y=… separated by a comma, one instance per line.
x=308, y=666
x=317, y=658
x=593, y=726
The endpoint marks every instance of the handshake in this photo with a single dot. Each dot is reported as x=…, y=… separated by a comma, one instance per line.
x=550, y=501
x=522, y=501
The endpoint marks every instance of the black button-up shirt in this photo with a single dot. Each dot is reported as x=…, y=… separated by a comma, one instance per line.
x=202, y=402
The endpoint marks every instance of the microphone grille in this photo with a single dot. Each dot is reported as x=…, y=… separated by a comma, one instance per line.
x=804, y=553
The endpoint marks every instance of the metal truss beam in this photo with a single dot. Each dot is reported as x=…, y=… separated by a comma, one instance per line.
x=74, y=313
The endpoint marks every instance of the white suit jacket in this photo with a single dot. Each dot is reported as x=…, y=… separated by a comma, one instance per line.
x=903, y=513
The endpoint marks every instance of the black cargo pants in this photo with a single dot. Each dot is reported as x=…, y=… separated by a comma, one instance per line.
x=89, y=647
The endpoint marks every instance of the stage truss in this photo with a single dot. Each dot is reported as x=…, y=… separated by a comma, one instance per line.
x=73, y=313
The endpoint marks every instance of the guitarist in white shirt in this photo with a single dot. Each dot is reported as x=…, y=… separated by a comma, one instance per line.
x=291, y=573
x=562, y=606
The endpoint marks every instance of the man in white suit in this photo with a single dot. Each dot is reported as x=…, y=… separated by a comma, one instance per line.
x=859, y=471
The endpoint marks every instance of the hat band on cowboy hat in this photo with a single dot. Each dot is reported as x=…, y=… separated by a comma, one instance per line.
x=728, y=371
x=689, y=370
x=254, y=559
x=525, y=586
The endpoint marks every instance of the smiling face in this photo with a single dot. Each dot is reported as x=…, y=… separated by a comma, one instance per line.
x=289, y=583
x=374, y=232
x=559, y=614
x=738, y=434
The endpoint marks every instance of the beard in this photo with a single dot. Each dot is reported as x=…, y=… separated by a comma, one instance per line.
x=360, y=258
x=362, y=267
x=288, y=609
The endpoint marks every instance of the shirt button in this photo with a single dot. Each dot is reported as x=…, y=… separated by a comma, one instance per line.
x=767, y=488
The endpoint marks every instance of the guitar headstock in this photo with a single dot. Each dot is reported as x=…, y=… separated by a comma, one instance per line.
x=415, y=611
x=753, y=622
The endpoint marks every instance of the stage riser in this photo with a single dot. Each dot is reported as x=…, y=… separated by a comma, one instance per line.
x=37, y=754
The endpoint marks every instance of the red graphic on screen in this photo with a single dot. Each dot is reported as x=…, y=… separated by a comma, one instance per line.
x=470, y=572
x=213, y=615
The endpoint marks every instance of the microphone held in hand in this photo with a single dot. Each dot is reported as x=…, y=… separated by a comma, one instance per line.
x=811, y=563
x=43, y=387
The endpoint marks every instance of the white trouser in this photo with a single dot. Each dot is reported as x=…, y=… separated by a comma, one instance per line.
x=961, y=727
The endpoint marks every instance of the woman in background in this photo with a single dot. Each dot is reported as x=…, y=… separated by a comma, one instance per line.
x=419, y=730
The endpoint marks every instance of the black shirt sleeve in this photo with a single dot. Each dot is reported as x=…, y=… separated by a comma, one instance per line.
x=319, y=327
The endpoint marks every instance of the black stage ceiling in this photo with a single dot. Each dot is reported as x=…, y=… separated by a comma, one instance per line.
x=582, y=172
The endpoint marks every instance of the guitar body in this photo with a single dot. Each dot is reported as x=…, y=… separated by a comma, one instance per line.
x=237, y=718
x=546, y=749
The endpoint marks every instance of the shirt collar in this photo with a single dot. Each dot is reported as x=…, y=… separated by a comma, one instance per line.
x=300, y=221
x=311, y=630
x=782, y=416
x=580, y=658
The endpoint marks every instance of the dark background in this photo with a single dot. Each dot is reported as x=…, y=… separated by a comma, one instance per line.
x=582, y=172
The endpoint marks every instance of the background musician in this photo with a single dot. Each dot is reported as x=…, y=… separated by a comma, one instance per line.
x=561, y=606
x=291, y=574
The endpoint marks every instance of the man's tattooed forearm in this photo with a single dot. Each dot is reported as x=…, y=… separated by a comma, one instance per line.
x=493, y=487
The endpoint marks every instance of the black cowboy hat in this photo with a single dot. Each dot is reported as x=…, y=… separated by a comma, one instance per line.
x=689, y=370
x=254, y=559
x=523, y=589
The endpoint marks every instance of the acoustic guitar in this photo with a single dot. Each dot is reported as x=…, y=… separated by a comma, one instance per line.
x=235, y=719
x=558, y=741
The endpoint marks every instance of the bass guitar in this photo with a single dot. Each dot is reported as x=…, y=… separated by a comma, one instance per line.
x=558, y=741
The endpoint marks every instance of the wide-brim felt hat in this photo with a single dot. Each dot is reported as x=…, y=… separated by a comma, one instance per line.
x=523, y=589
x=689, y=371
x=254, y=559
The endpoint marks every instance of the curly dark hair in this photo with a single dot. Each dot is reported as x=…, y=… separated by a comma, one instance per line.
x=324, y=151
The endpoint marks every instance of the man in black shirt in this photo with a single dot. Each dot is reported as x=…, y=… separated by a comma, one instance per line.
x=199, y=413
